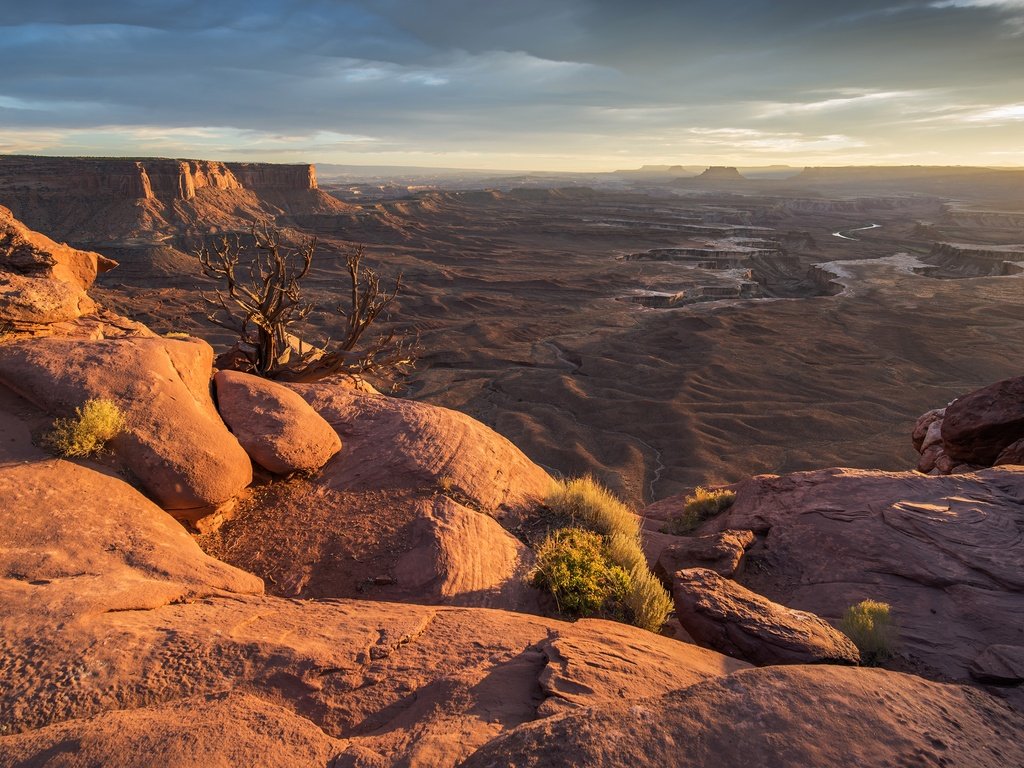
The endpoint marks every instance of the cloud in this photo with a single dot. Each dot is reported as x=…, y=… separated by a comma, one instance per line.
x=585, y=81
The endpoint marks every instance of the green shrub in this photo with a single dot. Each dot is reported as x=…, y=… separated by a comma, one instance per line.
x=701, y=505
x=93, y=425
x=869, y=625
x=593, y=506
x=647, y=602
x=572, y=566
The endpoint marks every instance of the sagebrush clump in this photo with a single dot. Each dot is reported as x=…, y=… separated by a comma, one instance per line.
x=612, y=536
x=95, y=424
x=701, y=505
x=573, y=567
x=870, y=626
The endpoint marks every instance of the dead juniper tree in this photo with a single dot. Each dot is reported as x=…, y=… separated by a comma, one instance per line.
x=261, y=300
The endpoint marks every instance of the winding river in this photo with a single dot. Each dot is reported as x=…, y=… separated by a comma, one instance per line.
x=856, y=229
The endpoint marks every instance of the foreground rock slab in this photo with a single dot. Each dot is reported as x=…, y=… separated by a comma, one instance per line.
x=822, y=716
x=719, y=613
x=946, y=552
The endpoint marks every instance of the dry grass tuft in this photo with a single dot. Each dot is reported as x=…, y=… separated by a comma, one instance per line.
x=590, y=504
x=701, y=505
x=86, y=433
x=870, y=626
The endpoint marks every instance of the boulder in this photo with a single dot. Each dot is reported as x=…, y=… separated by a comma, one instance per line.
x=719, y=613
x=721, y=552
x=1000, y=665
x=276, y=427
x=978, y=426
x=922, y=426
x=821, y=716
x=1011, y=454
x=175, y=444
x=403, y=444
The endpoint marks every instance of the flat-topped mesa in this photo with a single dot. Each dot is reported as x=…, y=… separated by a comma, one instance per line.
x=149, y=178
x=260, y=176
x=94, y=200
x=721, y=173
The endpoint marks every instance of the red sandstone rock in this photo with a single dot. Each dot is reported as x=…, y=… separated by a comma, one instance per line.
x=277, y=428
x=978, y=426
x=923, y=425
x=43, y=282
x=821, y=716
x=406, y=512
x=1011, y=454
x=945, y=552
x=393, y=443
x=999, y=664
x=719, y=613
x=175, y=443
x=721, y=552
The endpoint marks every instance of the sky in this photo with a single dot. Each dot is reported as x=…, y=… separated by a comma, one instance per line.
x=570, y=85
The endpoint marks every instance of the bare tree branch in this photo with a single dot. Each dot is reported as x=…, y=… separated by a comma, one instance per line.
x=265, y=303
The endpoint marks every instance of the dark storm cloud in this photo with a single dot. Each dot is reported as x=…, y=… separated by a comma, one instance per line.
x=586, y=79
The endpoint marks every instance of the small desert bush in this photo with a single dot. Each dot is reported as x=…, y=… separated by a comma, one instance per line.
x=592, y=506
x=701, y=505
x=647, y=602
x=869, y=625
x=94, y=424
x=177, y=335
x=597, y=566
x=572, y=566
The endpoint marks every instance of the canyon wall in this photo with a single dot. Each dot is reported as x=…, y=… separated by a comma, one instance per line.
x=87, y=199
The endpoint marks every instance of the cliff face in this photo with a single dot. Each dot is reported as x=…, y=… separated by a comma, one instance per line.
x=99, y=199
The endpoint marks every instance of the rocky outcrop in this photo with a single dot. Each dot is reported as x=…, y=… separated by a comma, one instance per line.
x=719, y=613
x=175, y=444
x=822, y=716
x=720, y=552
x=945, y=552
x=276, y=427
x=141, y=646
x=978, y=426
x=984, y=428
x=87, y=200
x=407, y=511
x=43, y=282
